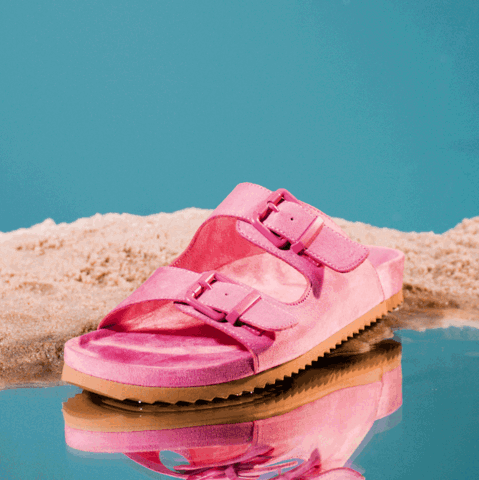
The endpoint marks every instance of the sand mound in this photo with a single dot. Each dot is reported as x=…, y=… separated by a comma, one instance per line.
x=58, y=281
x=446, y=264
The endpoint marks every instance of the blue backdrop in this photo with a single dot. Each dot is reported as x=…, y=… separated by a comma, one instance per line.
x=367, y=110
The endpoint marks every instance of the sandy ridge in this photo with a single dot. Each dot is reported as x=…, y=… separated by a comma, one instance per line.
x=58, y=281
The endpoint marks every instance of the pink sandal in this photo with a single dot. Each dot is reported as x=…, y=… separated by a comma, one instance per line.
x=267, y=285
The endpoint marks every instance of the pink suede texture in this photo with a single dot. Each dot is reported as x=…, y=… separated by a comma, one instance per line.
x=172, y=284
x=304, y=299
x=152, y=359
x=390, y=267
x=329, y=247
x=323, y=434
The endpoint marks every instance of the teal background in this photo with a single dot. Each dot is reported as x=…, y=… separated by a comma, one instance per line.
x=366, y=109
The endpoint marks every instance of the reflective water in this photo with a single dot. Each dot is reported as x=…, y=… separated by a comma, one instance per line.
x=406, y=410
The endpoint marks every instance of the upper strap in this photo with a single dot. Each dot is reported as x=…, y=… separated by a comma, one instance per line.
x=208, y=292
x=249, y=316
x=291, y=228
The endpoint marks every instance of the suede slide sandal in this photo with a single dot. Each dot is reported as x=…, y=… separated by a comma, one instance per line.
x=266, y=286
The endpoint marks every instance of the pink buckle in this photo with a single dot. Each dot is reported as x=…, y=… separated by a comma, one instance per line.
x=308, y=236
x=194, y=292
x=272, y=203
x=204, y=283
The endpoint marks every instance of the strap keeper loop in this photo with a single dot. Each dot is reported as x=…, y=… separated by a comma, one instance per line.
x=308, y=236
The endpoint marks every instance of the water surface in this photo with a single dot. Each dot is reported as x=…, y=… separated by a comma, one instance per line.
x=433, y=435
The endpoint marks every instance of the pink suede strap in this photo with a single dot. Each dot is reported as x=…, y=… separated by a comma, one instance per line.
x=291, y=228
x=236, y=309
x=223, y=295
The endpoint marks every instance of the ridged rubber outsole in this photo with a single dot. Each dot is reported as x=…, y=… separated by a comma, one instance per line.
x=140, y=393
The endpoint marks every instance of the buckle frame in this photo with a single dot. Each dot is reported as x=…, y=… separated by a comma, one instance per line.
x=204, y=283
x=272, y=203
x=198, y=288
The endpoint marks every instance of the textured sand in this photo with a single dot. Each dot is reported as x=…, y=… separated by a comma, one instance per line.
x=58, y=281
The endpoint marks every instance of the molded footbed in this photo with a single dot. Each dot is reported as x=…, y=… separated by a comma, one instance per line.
x=190, y=356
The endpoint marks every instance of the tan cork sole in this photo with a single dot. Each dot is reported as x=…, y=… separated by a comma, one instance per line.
x=122, y=391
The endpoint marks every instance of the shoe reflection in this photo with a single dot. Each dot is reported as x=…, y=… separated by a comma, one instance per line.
x=307, y=426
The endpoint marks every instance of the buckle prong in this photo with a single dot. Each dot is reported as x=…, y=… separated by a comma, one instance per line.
x=198, y=288
x=272, y=206
x=272, y=203
x=205, y=283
